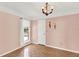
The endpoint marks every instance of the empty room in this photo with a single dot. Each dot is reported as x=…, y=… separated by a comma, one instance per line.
x=39, y=29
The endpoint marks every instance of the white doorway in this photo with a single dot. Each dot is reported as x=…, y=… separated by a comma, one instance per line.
x=25, y=32
x=42, y=32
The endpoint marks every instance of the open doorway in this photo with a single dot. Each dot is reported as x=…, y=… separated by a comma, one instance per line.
x=25, y=32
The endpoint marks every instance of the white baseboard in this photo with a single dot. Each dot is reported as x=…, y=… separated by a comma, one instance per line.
x=14, y=49
x=62, y=49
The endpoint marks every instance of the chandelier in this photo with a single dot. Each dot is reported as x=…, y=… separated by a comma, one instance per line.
x=47, y=9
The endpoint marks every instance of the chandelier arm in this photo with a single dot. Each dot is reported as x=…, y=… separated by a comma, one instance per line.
x=51, y=11
x=46, y=12
x=43, y=10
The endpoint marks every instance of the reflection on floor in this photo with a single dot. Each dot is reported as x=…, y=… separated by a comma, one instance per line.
x=34, y=50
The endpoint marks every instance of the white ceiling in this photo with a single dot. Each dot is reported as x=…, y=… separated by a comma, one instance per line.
x=32, y=10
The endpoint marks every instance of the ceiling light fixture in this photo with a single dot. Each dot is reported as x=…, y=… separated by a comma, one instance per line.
x=47, y=9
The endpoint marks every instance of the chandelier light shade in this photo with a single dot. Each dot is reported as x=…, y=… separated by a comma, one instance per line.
x=47, y=9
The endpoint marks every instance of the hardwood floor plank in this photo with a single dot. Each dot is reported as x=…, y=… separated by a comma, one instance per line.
x=37, y=50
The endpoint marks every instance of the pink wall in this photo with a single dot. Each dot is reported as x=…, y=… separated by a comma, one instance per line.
x=66, y=34
x=9, y=32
